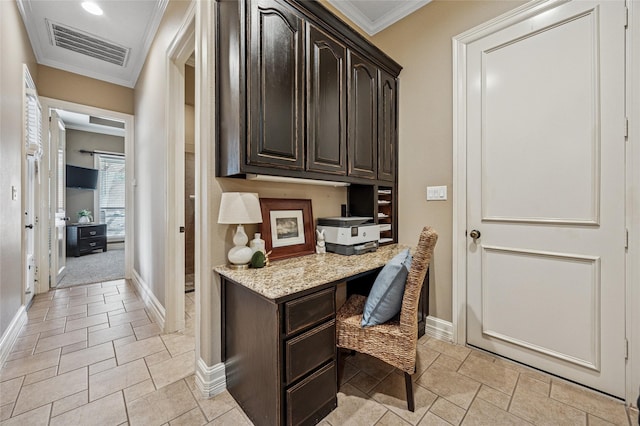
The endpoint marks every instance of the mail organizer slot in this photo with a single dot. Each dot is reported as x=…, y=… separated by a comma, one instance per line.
x=310, y=350
x=309, y=310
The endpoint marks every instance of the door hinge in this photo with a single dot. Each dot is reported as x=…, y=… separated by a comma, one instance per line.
x=626, y=349
x=626, y=17
x=626, y=127
x=626, y=238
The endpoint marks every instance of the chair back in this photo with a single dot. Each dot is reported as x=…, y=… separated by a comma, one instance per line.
x=419, y=267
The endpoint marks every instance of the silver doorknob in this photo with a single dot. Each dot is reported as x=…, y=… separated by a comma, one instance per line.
x=475, y=234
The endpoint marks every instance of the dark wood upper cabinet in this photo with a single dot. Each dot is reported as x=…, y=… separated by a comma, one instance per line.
x=299, y=94
x=363, y=117
x=276, y=89
x=326, y=103
x=387, y=126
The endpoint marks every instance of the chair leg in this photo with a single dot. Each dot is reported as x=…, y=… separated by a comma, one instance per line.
x=409, y=385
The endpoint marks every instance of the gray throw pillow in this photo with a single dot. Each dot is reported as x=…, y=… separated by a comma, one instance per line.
x=385, y=299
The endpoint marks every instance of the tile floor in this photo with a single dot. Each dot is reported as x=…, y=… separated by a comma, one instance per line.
x=90, y=355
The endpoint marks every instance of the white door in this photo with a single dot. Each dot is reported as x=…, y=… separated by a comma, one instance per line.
x=30, y=222
x=59, y=241
x=546, y=191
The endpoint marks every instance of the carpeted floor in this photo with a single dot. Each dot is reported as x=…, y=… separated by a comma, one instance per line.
x=95, y=267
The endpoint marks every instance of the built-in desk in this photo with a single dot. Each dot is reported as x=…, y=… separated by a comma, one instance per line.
x=278, y=326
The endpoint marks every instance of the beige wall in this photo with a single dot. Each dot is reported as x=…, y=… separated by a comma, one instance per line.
x=16, y=51
x=151, y=148
x=66, y=86
x=78, y=199
x=421, y=43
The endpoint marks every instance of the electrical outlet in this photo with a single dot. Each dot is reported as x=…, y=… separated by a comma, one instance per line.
x=436, y=193
x=14, y=193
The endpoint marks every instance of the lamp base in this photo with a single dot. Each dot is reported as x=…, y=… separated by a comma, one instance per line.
x=237, y=267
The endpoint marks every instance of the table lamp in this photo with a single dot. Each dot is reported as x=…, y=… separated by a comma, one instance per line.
x=239, y=208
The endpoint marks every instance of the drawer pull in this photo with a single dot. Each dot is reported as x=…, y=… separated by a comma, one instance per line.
x=92, y=233
x=92, y=244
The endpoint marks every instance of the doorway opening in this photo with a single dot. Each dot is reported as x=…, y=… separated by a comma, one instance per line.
x=182, y=225
x=90, y=194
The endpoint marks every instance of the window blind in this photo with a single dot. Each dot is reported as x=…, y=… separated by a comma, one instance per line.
x=111, y=182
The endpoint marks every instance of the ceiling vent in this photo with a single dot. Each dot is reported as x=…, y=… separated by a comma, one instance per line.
x=87, y=44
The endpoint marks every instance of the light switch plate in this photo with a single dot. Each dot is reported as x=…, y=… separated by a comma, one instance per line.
x=436, y=193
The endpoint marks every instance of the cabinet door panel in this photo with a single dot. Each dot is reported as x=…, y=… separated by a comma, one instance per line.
x=326, y=103
x=276, y=92
x=387, y=127
x=362, y=142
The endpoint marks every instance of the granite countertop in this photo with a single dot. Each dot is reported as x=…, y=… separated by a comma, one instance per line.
x=285, y=277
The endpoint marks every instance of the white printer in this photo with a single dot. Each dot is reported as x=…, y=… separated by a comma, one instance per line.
x=349, y=235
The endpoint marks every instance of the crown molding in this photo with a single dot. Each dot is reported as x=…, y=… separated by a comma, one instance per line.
x=402, y=10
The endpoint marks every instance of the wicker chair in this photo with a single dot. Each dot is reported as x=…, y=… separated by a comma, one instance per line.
x=395, y=341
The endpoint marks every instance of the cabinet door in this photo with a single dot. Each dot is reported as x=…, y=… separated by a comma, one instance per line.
x=275, y=89
x=362, y=134
x=387, y=126
x=326, y=103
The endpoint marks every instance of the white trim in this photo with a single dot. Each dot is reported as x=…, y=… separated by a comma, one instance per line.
x=207, y=245
x=439, y=329
x=371, y=27
x=459, y=255
x=45, y=274
x=154, y=306
x=210, y=381
x=11, y=334
x=179, y=51
x=633, y=203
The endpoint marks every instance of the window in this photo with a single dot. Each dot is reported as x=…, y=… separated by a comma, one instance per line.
x=111, y=194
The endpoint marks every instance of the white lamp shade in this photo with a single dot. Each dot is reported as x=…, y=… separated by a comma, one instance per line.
x=239, y=207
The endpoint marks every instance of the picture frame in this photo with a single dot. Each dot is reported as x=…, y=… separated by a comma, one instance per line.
x=287, y=227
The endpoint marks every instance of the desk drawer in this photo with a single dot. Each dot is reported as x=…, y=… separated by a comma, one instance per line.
x=89, y=244
x=310, y=350
x=91, y=231
x=313, y=398
x=309, y=310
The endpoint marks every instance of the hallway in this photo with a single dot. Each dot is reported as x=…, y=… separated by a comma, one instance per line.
x=90, y=355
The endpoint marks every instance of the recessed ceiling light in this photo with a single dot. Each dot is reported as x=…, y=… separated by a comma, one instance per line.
x=92, y=8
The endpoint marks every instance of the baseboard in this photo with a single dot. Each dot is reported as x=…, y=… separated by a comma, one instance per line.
x=12, y=332
x=440, y=329
x=210, y=380
x=156, y=309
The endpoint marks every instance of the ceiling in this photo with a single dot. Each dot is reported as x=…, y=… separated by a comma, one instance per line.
x=105, y=126
x=114, y=45
x=374, y=16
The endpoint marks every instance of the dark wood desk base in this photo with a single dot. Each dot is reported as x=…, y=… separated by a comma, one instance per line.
x=281, y=358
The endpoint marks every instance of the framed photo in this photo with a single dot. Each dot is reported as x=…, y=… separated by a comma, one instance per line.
x=287, y=227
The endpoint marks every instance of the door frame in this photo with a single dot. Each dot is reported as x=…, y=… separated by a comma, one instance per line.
x=459, y=255
x=45, y=274
x=633, y=202
x=178, y=53
x=54, y=261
